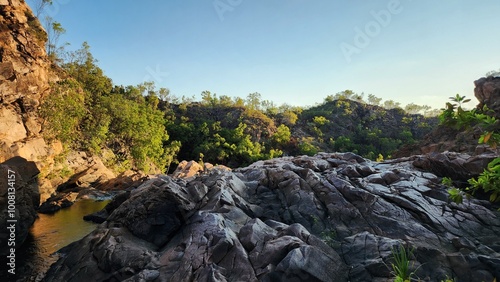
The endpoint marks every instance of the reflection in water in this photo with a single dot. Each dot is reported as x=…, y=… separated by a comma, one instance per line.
x=49, y=234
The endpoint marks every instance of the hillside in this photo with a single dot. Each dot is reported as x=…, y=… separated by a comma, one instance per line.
x=341, y=125
x=368, y=130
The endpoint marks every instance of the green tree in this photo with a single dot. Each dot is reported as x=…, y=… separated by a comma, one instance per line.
x=345, y=95
x=320, y=120
x=282, y=135
x=413, y=108
x=164, y=94
x=253, y=101
x=63, y=112
x=290, y=118
x=208, y=99
x=390, y=104
x=40, y=5
x=307, y=147
x=54, y=31
x=374, y=100
x=137, y=130
x=82, y=66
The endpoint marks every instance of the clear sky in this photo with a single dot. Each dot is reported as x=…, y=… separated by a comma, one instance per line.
x=295, y=51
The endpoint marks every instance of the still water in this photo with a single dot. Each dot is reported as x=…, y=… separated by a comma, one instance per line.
x=50, y=233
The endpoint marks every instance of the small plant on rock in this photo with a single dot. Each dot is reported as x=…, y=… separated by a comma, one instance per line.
x=455, y=195
x=489, y=180
x=401, y=266
x=329, y=237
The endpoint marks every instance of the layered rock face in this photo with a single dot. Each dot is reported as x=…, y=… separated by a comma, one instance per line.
x=24, y=79
x=332, y=217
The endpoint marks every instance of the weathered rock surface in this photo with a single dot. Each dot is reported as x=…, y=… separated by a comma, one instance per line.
x=88, y=171
x=457, y=166
x=487, y=91
x=23, y=181
x=187, y=169
x=25, y=74
x=57, y=202
x=332, y=217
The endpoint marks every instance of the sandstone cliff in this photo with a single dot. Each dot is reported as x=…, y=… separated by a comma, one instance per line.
x=332, y=217
x=25, y=73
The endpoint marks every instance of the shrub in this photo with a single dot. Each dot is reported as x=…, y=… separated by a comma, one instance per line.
x=401, y=265
x=489, y=180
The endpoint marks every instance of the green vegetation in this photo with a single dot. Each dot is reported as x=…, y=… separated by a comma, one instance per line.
x=329, y=236
x=489, y=181
x=85, y=112
x=142, y=127
x=455, y=195
x=455, y=116
x=401, y=264
x=341, y=124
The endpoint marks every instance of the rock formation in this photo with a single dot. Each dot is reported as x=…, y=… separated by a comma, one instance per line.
x=487, y=91
x=332, y=217
x=445, y=138
x=25, y=76
x=25, y=73
x=18, y=178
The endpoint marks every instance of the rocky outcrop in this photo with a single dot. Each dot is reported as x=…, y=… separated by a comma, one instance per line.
x=19, y=198
x=57, y=202
x=445, y=138
x=487, y=91
x=87, y=171
x=25, y=73
x=460, y=167
x=187, y=169
x=332, y=217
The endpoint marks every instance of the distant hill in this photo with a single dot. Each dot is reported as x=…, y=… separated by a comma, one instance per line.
x=341, y=125
x=369, y=130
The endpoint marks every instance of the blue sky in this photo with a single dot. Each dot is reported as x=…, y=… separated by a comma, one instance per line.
x=295, y=51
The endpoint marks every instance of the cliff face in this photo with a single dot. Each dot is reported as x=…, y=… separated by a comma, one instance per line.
x=25, y=73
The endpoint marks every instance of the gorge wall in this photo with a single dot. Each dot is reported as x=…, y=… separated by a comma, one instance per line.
x=25, y=74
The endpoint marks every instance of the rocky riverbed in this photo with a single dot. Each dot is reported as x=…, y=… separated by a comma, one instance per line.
x=332, y=217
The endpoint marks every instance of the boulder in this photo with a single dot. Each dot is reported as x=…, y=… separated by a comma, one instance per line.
x=57, y=202
x=289, y=219
x=188, y=169
x=19, y=199
x=487, y=91
x=460, y=167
